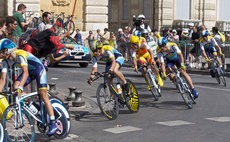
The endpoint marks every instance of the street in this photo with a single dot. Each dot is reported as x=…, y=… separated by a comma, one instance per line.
x=164, y=121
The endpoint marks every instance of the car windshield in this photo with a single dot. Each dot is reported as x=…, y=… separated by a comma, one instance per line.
x=69, y=40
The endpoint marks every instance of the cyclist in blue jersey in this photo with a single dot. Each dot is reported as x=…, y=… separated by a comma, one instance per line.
x=170, y=52
x=113, y=58
x=207, y=45
x=32, y=68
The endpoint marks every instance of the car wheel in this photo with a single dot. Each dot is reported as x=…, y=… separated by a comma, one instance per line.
x=84, y=65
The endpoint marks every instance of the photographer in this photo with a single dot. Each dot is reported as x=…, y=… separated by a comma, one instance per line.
x=139, y=23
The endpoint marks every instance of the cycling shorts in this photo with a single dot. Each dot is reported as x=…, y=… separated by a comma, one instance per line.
x=39, y=74
x=144, y=58
x=210, y=50
x=119, y=61
x=171, y=63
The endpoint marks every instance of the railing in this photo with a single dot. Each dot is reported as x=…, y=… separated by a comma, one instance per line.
x=223, y=25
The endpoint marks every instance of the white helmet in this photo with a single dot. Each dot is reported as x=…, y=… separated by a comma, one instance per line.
x=141, y=16
x=144, y=31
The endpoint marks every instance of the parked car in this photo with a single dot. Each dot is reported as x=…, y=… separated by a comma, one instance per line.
x=79, y=54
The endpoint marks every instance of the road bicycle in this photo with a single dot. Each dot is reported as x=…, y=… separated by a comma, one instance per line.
x=110, y=100
x=17, y=118
x=218, y=71
x=153, y=83
x=183, y=88
x=66, y=23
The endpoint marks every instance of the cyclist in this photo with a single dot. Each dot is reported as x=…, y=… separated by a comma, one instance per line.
x=113, y=58
x=32, y=68
x=207, y=45
x=173, y=56
x=140, y=47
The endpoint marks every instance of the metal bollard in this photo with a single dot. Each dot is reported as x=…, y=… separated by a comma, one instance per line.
x=71, y=94
x=78, y=99
x=52, y=89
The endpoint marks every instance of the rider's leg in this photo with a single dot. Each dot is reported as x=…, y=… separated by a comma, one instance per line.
x=156, y=72
x=119, y=74
x=217, y=58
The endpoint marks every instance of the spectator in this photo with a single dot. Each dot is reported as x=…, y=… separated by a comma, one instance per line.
x=216, y=35
x=46, y=19
x=195, y=40
x=184, y=42
x=2, y=27
x=105, y=37
x=78, y=37
x=20, y=20
x=166, y=33
x=156, y=35
x=98, y=34
x=90, y=36
x=141, y=24
x=128, y=43
x=173, y=37
x=121, y=42
x=11, y=24
x=112, y=40
x=190, y=27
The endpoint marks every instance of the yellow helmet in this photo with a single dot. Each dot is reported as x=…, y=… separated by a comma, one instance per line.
x=95, y=44
x=135, y=39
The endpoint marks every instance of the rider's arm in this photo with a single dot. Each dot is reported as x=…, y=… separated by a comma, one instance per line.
x=216, y=45
x=25, y=75
x=113, y=63
x=53, y=60
x=2, y=80
x=94, y=67
x=133, y=54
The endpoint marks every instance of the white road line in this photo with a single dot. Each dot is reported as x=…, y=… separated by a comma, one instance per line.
x=219, y=119
x=122, y=129
x=54, y=78
x=206, y=87
x=175, y=123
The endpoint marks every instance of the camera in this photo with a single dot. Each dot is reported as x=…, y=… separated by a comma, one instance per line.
x=136, y=21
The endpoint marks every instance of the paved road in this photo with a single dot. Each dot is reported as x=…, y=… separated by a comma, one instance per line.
x=167, y=120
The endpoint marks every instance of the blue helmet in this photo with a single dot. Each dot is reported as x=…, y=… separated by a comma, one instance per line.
x=162, y=41
x=205, y=33
x=137, y=33
x=7, y=44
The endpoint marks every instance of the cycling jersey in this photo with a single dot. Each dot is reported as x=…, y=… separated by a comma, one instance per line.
x=172, y=55
x=209, y=44
x=108, y=52
x=141, y=50
x=35, y=67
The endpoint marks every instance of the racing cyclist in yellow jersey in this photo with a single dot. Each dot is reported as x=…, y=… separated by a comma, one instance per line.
x=113, y=58
x=207, y=45
x=173, y=57
x=141, y=48
x=32, y=68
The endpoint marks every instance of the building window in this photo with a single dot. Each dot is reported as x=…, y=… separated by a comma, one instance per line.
x=224, y=10
x=146, y=8
x=125, y=10
x=183, y=9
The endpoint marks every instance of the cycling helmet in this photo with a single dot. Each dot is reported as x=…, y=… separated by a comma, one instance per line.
x=135, y=39
x=162, y=42
x=137, y=33
x=205, y=33
x=144, y=31
x=95, y=44
x=7, y=44
x=141, y=16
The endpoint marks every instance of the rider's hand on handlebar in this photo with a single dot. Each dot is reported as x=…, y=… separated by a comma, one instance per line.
x=207, y=59
x=89, y=81
x=221, y=54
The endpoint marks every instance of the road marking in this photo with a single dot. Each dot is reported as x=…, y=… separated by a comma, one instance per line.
x=212, y=88
x=219, y=119
x=122, y=129
x=71, y=136
x=175, y=123
x=54, y=78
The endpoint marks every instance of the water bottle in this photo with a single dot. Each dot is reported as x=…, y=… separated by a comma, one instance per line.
x=119, y=88
x=34, y=107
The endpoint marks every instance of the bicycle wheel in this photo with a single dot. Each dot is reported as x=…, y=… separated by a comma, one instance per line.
x=221, y=76
x=132, y=99
x=72, y=29
x=153, y=85
x=2, y=134
x=107, y=102
x=62, y=120
x=25, y=133
x=185, y=94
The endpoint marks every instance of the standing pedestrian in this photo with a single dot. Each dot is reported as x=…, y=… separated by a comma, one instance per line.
x=46, y=19
x=78, y=37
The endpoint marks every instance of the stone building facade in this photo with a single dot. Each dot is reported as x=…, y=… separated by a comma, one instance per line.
x=171, y=13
